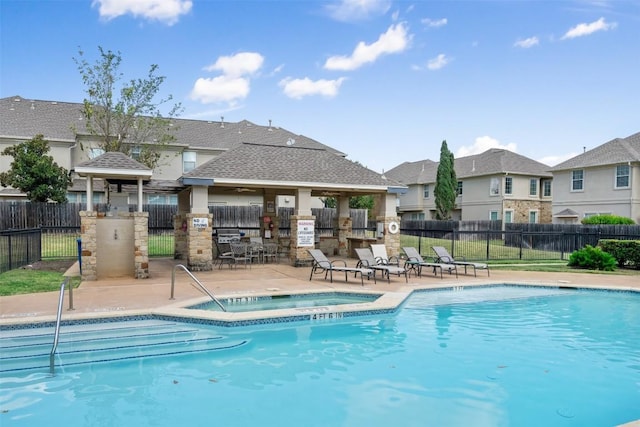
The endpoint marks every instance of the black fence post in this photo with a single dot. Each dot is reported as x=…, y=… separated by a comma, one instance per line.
x=521, y=242
x=453, y=242
x=79, y=241
x=488, y=241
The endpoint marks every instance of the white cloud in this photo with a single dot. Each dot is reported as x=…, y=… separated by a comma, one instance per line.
x=234, y=83
x=167, y=11
x=554, y=160
x=395, y=40
x=239, y=64
x=299, y=88
x=527, y=43
x=438, y=62
x=434, y=23
x=587, y=29
x=220, y=89
x=350, y=10
x=482, y=144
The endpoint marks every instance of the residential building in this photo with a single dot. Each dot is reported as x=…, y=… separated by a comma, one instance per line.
x=495, y=185
x=196, y=143
x=604, y=180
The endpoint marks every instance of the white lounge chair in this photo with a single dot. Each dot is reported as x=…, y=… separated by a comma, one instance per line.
x=380, y=254
x=367, y=260
x=415, y=262
x=321, y=264
x=443, y=255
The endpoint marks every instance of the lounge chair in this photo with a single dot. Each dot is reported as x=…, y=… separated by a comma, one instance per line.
x=223, y=253
x=415, y=262
x=380, y=254
x=442, y=255
x=321, y=264
x=367, y=260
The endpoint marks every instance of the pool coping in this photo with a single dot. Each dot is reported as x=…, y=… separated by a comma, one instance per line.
x=388, y=302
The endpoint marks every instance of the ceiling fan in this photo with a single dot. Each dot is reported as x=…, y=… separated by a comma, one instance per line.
x=242, y=190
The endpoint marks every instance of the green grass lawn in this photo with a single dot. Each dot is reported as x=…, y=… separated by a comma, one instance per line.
x=28, y=281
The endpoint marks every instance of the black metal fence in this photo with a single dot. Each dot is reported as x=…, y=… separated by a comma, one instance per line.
x=19, y=247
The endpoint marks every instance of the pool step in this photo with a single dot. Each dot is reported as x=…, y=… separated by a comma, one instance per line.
x=104, y=342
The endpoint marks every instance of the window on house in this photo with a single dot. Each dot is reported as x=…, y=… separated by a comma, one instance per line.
x=135, y=152
x=425, y=191
x=546, y=188
x=95, y=152
x=508, y=217
x=622, y=176
x=494, y=187
x=533, y=187
x=188, y=161
x=508, y=185
x=493, y=215
x=533, y=217
x=459, y=189
x=577, y=180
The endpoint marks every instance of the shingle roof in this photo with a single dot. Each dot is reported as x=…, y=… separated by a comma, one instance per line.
x=420, y=172
x=491, y=162
x=496, y=161
x=57, y=120
x=113, y=160
x=619, y=150
x=264, y=162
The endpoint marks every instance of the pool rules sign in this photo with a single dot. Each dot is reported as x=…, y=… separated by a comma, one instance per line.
x=305, y=232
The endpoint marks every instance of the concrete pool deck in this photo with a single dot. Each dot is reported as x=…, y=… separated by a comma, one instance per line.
x=127, y=296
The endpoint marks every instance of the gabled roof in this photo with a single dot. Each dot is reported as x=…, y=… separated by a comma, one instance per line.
x=420, y=172
x=491, y=162
x=267, y=165
x=619, y=150
x=499, y=161
x=113, y=164
x=21, y=118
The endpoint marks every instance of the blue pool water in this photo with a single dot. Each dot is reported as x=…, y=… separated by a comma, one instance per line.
x=495, y=356
x=261, y=303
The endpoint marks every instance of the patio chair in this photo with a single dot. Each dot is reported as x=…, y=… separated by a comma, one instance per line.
x=240, y=253
x=442, y=255
x=321, y=264
x=380, y=254
x=270, y=252
x=367, y=260
x=415, y=262
x=223, y=254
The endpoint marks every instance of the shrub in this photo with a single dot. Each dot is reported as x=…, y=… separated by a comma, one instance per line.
x=607, y=219
x=626, y=252
x=592, y=259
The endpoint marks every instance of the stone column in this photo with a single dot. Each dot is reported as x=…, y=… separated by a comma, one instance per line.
x=88, y=235
x=298, y=254
x=199, y=241
x=180, y=226
x=344, y=226
x=391, y=223
x=141, y=244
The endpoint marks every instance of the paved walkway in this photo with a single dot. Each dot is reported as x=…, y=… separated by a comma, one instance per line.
x=127, y=295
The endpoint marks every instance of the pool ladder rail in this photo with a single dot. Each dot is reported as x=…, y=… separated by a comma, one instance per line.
x=205, y=290
x=56, y=334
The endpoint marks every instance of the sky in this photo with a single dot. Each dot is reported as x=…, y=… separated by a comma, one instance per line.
x=383, y=81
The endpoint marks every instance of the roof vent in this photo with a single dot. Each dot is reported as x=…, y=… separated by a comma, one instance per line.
x=222, y=121
x=473, y=165
x=290, y=142
x=270, y=125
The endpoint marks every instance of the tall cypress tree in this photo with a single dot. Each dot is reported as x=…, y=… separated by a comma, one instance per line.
x=446, y=184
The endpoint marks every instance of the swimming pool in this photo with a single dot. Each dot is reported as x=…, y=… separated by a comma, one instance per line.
x=276, y=302
x=494, y=356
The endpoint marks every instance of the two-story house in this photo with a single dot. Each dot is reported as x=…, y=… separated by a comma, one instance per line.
x=604, y=180
x=196, y=142
x=495, y=185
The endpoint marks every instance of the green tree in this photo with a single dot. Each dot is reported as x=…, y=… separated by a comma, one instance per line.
x=125, y=115
x=355, y=202
x=35, y=173
x=446, y=184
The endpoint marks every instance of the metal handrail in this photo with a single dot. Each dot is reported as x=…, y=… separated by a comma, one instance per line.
x=56, y=334
x=173, y=281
